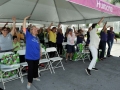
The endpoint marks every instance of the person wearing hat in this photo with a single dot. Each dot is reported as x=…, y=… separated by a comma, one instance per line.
x=52, y=37
x=70, y=44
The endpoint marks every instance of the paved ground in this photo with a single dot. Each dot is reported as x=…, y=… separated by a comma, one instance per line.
x=75, y=78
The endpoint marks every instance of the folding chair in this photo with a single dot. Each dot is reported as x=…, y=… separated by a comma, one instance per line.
x=22, y=45
x=57, y=59
x=24, y=64
x=9, y=69
x=8, y=53
x=83, y=53
x=45, y=60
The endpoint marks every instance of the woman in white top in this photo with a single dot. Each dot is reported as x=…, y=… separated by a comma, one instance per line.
x=70, y=44
x=93, y=46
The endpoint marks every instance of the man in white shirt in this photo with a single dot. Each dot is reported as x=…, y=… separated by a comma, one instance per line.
x=93, y=46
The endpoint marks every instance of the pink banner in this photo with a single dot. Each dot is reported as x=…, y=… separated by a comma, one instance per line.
x=98, y=5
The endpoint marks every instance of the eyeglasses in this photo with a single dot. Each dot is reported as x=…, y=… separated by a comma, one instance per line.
x=5, y=30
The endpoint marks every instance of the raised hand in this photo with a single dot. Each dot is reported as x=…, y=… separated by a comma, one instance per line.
x=59, y=25
x=27, y=17
x=14, y=19
x=74, y=28
x=51, y=24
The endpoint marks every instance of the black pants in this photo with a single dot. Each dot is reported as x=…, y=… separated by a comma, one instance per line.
x=59, y=48
x=32, y=69
x=42, y=41
x=1, y=89
x=102, y=47
x=22, y=58
x=51, y=44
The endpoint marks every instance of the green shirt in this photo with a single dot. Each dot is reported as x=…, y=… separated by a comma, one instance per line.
x=15, y=45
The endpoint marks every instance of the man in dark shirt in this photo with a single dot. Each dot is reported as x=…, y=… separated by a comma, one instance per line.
x=110, y=40
x=59, y=41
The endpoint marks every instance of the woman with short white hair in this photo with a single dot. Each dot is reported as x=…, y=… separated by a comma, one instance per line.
x=33, y=52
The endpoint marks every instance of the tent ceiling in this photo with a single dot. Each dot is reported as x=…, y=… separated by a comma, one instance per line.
x=46, y=11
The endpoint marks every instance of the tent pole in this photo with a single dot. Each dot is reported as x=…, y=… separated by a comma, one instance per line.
x=57, y=11
x=33, y=10
x=4, y=2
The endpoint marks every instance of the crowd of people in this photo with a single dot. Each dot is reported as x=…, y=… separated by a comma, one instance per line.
x=10, y=39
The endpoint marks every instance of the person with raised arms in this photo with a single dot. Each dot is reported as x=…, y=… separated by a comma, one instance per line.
x=93, y=46
x=33, y=52
x=103, y=40
x=6, y=40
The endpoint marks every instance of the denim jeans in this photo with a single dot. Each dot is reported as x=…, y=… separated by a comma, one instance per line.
x=110, y=43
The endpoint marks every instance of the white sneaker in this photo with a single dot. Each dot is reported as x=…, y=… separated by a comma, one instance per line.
x=28, y=86
x=37, y=79
x=70, y=59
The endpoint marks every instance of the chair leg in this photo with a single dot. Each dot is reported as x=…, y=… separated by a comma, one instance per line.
x=49, y=66
x=83, y=58
x=38, y=72
x=52, y=67
x=3, y=81
x=62, y=65
x=19, y=71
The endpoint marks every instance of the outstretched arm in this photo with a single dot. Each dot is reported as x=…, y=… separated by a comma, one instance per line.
x=89, y=29
x=13, y=29
x=74, y=30
x=100, y=21
x=115, y=39
x=59, y=26
x=5, y=24
x=48, y=29
x=24, y=24
x=104, y=27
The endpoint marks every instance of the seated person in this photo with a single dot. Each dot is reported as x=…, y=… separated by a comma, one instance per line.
x=16, y=44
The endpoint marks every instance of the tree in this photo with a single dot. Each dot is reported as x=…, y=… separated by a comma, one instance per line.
x=115, y=1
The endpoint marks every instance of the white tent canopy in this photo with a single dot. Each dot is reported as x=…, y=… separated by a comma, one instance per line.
x=46, y=11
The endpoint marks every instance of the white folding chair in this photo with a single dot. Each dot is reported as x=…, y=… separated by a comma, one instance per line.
x=45, y=60
x=83, y=53
x=22, y=45
x=24, y=64
x=57, y=59
x=7, y=68
x=8, y=53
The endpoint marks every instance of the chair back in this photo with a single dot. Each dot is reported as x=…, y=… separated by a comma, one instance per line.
x=8, y=53
x=51, y=49
x=64, y=43
x=21, y=52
